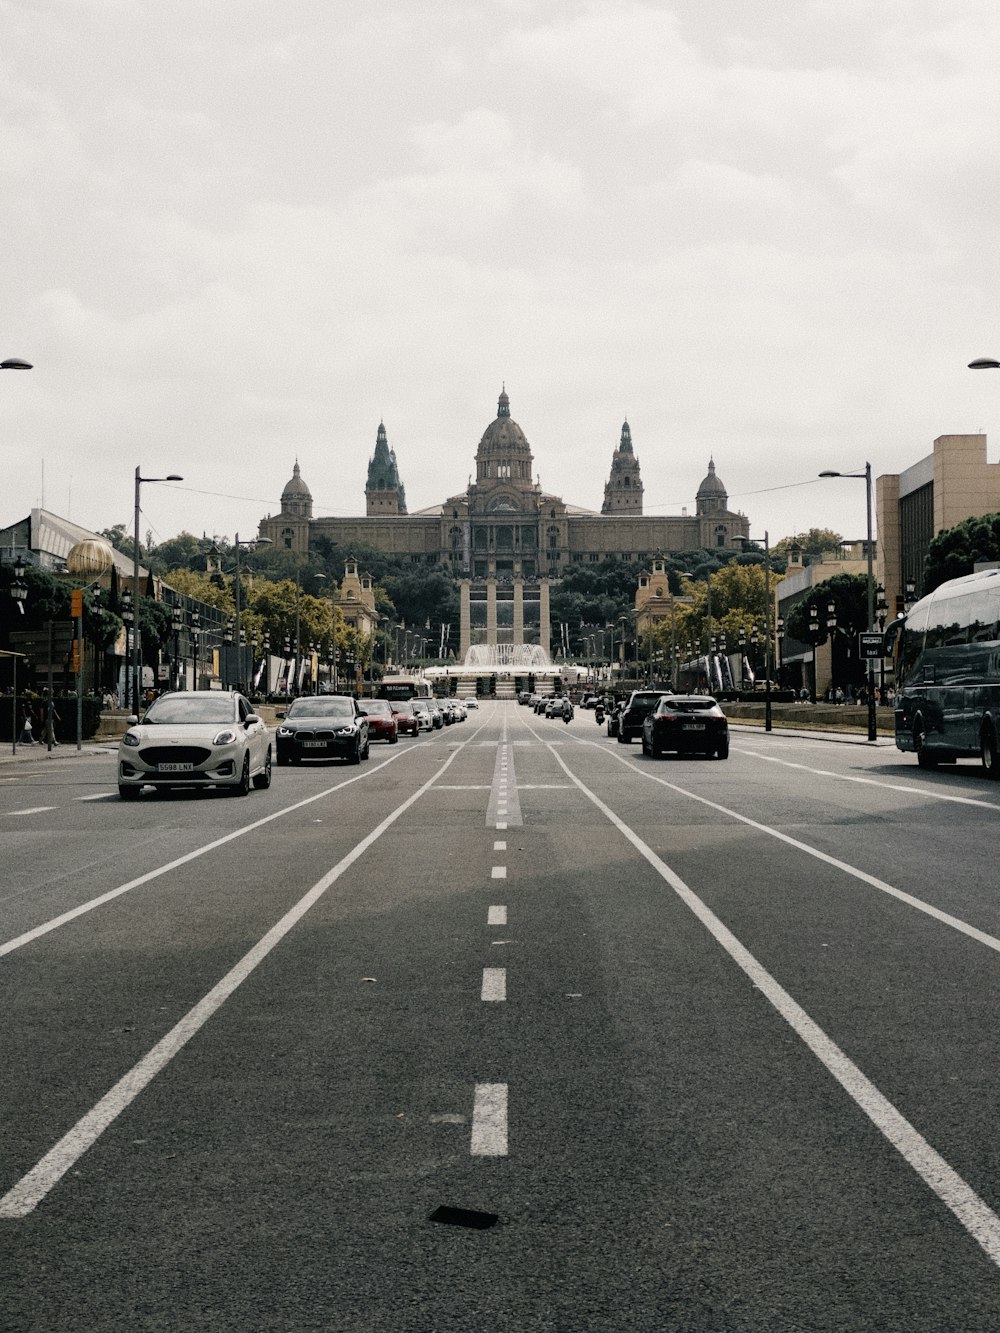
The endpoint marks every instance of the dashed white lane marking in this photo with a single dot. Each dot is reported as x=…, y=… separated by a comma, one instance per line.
x=494, y=984
x=498, y=872
x=502, y=824
x=32, y=810
x=972, y=1212
x=503, y=803
x=489, y=1120
x=500, y=846
x=496, y=916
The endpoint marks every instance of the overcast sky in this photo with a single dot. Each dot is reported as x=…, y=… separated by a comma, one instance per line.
x=236, y=234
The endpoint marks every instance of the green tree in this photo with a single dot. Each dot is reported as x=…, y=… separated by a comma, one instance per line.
x=814, y=543
x=849, y=595
x=954, y=552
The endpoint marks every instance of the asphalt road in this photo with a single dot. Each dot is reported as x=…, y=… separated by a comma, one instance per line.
x=510, y=1027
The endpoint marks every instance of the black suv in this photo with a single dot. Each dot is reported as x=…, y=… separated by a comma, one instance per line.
x=639, y=706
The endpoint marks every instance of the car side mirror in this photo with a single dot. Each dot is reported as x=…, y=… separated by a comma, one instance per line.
x=280, y=716
x=132, y=720
x=251, y=719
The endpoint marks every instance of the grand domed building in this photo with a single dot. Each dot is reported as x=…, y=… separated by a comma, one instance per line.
x=504, y=539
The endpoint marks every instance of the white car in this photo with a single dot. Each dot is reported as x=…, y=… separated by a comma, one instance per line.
x=196, y=738
x=471, y=703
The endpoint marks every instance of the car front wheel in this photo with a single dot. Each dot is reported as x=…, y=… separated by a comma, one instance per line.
x=263, y=780
x=242, y=788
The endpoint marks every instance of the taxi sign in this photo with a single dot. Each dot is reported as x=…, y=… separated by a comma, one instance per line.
x=871, y=644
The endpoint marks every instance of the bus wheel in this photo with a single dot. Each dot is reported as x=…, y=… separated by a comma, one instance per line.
x=924, y=759
x=988, y=751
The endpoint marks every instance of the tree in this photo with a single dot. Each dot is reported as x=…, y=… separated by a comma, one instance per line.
x=849, y=595
x=185, y=551
x=813, y=544
x=956, y=551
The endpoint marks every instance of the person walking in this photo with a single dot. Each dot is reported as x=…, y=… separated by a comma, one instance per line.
x=26, y=737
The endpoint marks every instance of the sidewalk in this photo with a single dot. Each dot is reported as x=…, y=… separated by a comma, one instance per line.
x=67, y=749
x=846, y=736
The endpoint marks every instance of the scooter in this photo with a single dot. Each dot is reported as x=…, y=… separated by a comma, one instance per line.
x=599, y=715
x=567, y=716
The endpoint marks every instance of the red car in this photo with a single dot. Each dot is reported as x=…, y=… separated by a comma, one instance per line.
x=381, y=720
x=406, y=718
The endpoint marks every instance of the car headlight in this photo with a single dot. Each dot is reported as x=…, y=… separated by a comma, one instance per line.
x=286, y=731
x=130, y=738
x=226, y=737
x=344, y=731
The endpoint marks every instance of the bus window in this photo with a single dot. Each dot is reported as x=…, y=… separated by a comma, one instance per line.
x=911, y=644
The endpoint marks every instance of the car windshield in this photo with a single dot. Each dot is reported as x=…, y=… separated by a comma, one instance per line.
x=338, y=707
x=376, y=708
x=189, y=709
x=404, y=709
x=645, y=703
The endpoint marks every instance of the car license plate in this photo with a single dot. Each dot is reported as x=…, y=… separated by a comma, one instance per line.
x=174, y=768
x=692, y=726
x=314, y=745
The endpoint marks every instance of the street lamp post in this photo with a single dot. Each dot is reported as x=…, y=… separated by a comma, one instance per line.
x=19, y=592
x=881, y=612
x=867, y=477
x=136, y=662
x=237, y=592
x=177, y=625
x=128, y=619
x=814, y=639
x=195, y=634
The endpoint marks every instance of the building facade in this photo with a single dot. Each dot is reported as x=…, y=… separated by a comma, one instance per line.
x=954, y=482
x=505, y=539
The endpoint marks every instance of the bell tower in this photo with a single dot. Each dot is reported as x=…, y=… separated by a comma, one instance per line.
x=623, y=489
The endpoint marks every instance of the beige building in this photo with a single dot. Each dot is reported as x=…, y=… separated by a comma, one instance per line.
x=504, y=538
x=953, y=483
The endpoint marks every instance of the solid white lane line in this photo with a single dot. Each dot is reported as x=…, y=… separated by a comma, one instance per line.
x=32, y=810
x=29, y=1191
x=972, y=1212
x=499, y=872
x=875, y=782
x=496, y=916
x=500, y=845
x=494, y=988
x=20, y=940
x=489, y=1120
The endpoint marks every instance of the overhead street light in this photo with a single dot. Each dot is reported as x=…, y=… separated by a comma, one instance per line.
x=866, y=477
x=984, y=363
x=15, y=363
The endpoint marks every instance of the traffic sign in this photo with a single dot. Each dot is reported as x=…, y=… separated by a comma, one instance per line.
x=871, y=645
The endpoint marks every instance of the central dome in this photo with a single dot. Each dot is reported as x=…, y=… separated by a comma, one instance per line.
x=503, y=434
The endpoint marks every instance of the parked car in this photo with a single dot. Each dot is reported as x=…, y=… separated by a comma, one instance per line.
x=381, y=721
x=687, y=724
x=639, y=705
x=406, y=718
x=328, y=727
x=206, y=738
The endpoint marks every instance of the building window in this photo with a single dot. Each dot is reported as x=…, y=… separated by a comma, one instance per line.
x=287, y=537
x=594, y=557
x=553, y=536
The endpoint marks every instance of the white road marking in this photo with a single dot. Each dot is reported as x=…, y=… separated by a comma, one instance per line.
x=928, y=791
x=29, y=1191
x=494, y=986
x=20, y=940
x=501, y=825
x=500, y=845
x=32, y=810
x=972, y=1212
x=489, y=1120
x=498, y=872
x=98, y=796
x=496, y=916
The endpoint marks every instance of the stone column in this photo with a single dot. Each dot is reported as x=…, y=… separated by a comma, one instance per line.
x=491, y=612
x=464, y=620
x=543, y=614
x=519, y=611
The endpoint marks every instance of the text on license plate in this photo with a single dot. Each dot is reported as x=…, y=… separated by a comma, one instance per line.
x=174, y=768
x=313, y=745
x=692, y=726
